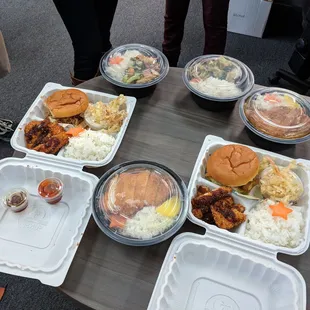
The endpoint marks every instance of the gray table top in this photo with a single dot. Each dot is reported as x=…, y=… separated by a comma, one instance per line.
x=167, y=127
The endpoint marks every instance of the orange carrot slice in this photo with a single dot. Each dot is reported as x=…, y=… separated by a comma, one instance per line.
x=74, y=132
x=117, y=221
x=2, y=291
x=116, y=60
x=281, y=210
x=195, y=80
x=272, y=98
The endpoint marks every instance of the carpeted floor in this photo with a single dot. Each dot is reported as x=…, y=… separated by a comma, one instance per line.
x=40, y=52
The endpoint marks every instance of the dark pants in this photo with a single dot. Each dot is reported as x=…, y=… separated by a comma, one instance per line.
x=215, y=24
x=88, y=23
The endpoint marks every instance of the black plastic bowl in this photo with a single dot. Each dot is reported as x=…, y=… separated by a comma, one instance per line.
x=135, y=92
x=212, y=105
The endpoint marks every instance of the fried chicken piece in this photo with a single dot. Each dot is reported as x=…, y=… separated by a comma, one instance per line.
x=129, y=192
x=141, y=185
x=208, y=217
x=165, y=189
x=32, y=131
x=198, y=213
x=125, y=199
x=53, y=144
x=204, y=215
x=209, y=198
x=55, y=129
x=202, y=190
x=226, y=217
x=239, y=207
x=217, y=207
x=45, y=136
x=36, y=132
x=226, y=202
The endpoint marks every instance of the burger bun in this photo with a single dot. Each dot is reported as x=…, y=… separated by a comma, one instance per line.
x=67, y=103
x=233, y=165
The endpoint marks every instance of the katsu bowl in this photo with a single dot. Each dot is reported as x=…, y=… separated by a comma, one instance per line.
x=140, y=203
x=136, y=68
x=277, y=115
x=217, y=82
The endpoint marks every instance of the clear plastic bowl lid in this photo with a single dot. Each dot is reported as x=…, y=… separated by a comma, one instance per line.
x=140, y=203
x=134, y=66
x=277, y=113
x=217, y=77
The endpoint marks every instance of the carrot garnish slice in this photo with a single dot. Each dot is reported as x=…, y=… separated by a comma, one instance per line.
x=281, y=210
x=117, y=221
x=74, y=132
x=116, y=60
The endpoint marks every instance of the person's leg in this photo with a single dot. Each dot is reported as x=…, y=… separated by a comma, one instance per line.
x=105, y=14
x=215, y=23
x=80, y=19
x=176, y=11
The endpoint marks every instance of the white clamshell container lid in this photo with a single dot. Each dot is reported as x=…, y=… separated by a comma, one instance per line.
x=40, y=242
x=211, y=272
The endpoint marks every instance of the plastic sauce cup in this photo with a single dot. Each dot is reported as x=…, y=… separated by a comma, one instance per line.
x=16, y=199
x=51, y=190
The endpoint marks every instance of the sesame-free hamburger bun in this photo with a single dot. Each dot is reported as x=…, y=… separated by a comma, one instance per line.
x=67, y=103
x=233, y=165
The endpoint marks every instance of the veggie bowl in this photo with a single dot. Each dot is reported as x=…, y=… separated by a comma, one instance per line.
x=134, y=66
x=140, y=203
x=218, y=81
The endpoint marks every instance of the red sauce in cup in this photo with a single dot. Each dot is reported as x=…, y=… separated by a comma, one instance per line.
x=51, y=190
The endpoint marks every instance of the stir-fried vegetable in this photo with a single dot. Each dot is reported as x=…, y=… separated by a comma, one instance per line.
x=142, y=69
x=220, y=68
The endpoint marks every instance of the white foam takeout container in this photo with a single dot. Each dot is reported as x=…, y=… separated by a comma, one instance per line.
x=224, y=269
x=40, y=242
x=38, y=111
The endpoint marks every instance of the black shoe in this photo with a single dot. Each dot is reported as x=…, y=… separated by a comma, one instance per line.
x=7, y=129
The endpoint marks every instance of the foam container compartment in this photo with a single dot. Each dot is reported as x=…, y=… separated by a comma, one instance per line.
x=224, y=270
x=37, y=111
x=209, y=272
x=40, y=242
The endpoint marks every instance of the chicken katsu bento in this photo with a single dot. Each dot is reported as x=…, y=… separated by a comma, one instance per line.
x=76, y=125
x=140, y=203
x=258, y=195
